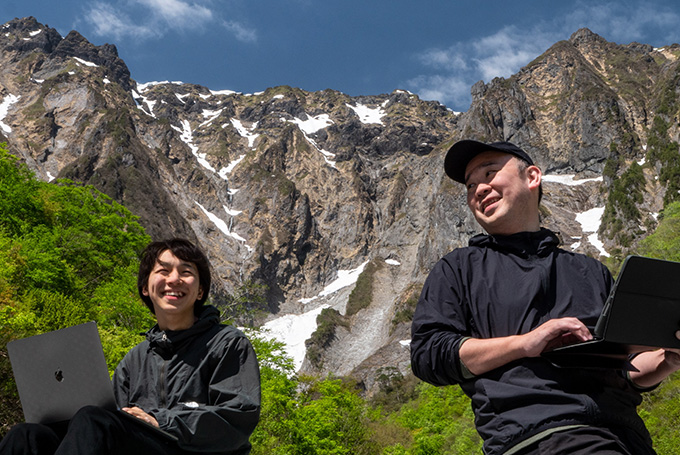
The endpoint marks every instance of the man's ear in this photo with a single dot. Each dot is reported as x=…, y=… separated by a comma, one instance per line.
x=534, y=177
x=145, y=291
x=200, y=293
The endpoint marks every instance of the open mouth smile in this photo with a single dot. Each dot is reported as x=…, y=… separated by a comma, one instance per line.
x=173, y=294
x=489, y=202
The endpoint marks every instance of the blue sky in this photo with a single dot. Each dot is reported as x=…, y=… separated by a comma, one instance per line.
x=435, y=48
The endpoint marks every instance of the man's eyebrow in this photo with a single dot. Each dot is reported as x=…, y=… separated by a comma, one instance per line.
x=488, y=163
x=181, y=264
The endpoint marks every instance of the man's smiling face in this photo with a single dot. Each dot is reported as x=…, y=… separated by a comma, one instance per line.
x=173, y=286
x=499, y=193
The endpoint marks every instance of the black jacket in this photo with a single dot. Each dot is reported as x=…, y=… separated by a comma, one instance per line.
x=201, y=384
x=508, y=285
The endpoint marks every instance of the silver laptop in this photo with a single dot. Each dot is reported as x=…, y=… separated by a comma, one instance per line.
x=59, y=372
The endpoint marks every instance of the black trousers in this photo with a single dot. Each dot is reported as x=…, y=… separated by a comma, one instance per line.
x=92, y=430
x=591, y=441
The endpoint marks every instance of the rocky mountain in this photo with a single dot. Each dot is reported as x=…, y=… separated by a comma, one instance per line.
x=289, y=190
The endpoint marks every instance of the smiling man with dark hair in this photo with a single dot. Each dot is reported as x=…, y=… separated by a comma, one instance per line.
x=193, y=378
x=488, y=311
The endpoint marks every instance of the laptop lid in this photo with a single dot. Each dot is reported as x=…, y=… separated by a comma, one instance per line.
x=644, y=310
x=641, y=313
x=59, y=372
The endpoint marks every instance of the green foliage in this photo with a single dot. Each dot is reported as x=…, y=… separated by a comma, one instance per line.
x=305, y=416
x=248, y=299
x=21, y=204
x=665, y=152
x=330, y=420
x=278, y=388
x=621, y=208
x=362, y=294
x=55, y=310
x=326, y=323
x=667, y=101
x=68, y=254
x=611, y=167
x=661, y=414
x=441, y=422
x=664, y=243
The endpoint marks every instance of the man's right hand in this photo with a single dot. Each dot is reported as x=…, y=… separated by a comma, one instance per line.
x=483, y=355
x=553, y=334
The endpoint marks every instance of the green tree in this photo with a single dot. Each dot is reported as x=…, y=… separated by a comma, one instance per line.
x=331, y=419
x=664, y=242
x=441, y=422
x=68, y=254
x=278, y=388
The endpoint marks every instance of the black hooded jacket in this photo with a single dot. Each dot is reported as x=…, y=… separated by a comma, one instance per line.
x=508, y=285
x=201, y=384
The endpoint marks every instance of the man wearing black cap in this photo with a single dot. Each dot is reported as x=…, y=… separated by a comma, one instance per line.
x=488, y=311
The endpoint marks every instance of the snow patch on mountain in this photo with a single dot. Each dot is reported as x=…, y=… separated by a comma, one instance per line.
x=222, y=226
x=568, y=179
x=187, y=136
x=311, y=126
x=294, y=329
x=368, y=115
x=590, y=221
x=4, y=110
x=245, y=132
x=210, y=115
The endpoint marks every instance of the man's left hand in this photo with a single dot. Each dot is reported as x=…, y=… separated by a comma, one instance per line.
x=672, y=356
x=140, y=414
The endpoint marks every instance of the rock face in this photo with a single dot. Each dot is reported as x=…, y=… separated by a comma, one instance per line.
x=286, y=188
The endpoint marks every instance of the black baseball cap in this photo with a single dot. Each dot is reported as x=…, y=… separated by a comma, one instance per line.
x=462, y=152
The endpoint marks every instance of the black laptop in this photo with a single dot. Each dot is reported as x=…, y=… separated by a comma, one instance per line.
x=642, y=313
x=59, y=372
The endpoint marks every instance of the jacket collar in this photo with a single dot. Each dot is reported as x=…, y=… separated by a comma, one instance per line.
x=524, y=244
x=170, y=341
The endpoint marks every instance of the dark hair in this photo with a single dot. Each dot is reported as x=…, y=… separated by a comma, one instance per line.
x=522, y=165
x=182, y=249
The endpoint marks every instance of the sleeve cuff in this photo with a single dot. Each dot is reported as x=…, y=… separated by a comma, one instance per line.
x=466, y=373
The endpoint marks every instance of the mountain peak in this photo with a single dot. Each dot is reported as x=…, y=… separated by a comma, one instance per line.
x=585, y=35
x=76, y=45
x=27, y=34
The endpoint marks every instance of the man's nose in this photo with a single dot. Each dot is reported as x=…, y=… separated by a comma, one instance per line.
x=174, y=277
x=482, y=189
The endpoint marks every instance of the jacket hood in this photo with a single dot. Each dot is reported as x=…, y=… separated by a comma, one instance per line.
x=169, y=341
x=524, y=244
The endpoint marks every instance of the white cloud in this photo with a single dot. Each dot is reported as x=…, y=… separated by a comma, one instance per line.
x=448, y=73
x=178, y=13
x=154, y=18
x=448, y=59
x=500, y=54
x=504, y=52
x=240, y=31
x=626, y=21
x=453, y=89
x=110, y=22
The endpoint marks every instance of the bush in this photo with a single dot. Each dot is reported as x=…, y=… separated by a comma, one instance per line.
x=362, y=294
